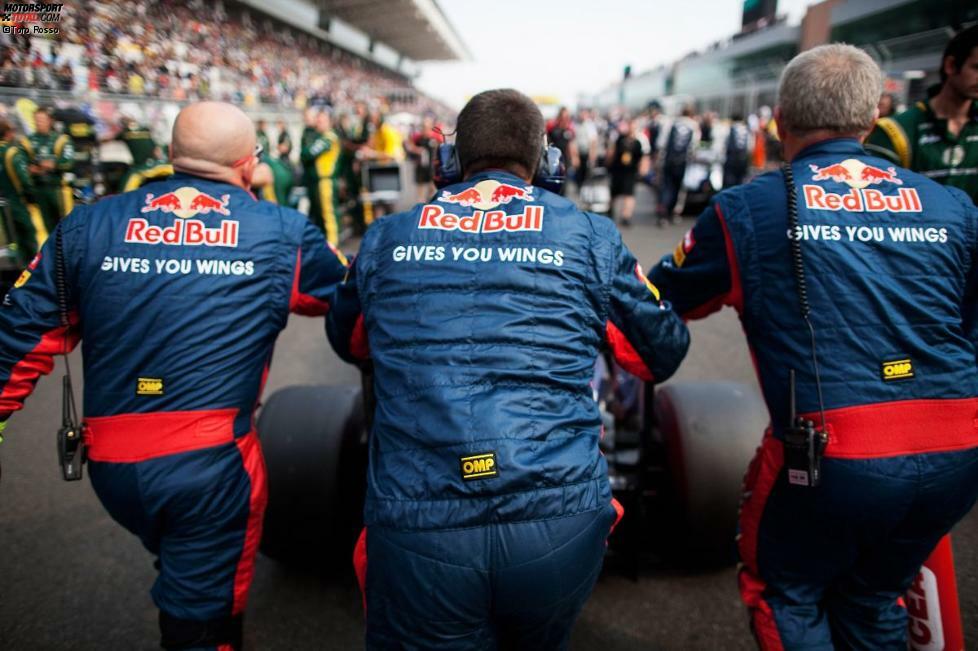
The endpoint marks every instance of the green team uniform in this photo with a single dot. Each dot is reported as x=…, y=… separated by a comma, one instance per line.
x=53, y=194
x=140, y=142
x=284, y=139
x=354, y=136
x=17, y=187
x=280, y=188
x=152, y=169
x=919, y=140
x=262, y=139
x=319, y=154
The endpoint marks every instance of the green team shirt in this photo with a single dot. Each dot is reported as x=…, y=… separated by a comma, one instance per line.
x=919, y=140
x=282, y=181
x=262, y=139
x=15, y=180
x=50, y=146
x=140, y=142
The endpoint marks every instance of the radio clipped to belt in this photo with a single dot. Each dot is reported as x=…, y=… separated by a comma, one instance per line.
x=804, y=441
x=71, y=444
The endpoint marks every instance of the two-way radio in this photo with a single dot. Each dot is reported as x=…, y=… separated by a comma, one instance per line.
x=804, y=442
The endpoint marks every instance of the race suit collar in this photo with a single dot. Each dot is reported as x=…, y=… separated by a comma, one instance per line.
x=188, y=178
x=832, y=146
x=495, y=174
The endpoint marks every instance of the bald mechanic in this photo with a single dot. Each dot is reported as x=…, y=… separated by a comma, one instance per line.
x=179, y=291
x=488, y=501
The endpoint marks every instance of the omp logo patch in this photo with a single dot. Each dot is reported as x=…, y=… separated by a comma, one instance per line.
x=22, y=279
x=478, y=466
x=149, y=386
x=897, y=369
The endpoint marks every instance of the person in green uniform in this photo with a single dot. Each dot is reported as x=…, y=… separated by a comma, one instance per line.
x=278, y=187
x=939, y=137
x=261, y=135
x=50, y=156
x=152, y=169
x=319, y=156
x=284, y=142
x=354, y=135
x=17, y=187
x=139, y=140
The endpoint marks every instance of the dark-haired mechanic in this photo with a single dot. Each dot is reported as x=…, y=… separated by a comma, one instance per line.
x=179, y=290
x=488, y=502
x=939, y=137
x=886, y=256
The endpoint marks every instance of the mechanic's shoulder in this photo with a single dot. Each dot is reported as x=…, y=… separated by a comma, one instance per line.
x=293, y=222
x=602, y=227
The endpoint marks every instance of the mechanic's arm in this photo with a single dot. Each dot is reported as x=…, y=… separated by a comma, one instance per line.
x=647, y=338
x=16, y=166
x=344, y=323
x=698, y=278
x=30, y=328
x=64, y=153
x=319, y=269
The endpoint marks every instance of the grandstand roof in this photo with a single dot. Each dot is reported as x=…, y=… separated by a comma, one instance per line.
x=418, y=29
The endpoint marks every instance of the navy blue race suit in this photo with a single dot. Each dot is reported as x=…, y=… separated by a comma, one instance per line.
x=488, y=501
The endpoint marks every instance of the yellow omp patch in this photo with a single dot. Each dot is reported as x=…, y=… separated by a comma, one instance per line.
x=679, y=256
x=22, y=280
x=898, y=369
x=479, y=466
x=648, y=283
x=149, y=386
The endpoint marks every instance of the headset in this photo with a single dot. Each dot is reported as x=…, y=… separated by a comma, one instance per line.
x=549, y=173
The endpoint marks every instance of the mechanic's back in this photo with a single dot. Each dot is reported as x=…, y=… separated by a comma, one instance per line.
x=178, y=290
x=482, y=312
x=885, y=260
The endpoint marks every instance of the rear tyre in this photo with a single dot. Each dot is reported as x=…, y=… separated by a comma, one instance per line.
x=314, y=443
x=710, y=431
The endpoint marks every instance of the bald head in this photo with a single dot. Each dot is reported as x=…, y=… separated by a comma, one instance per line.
x=212, y=134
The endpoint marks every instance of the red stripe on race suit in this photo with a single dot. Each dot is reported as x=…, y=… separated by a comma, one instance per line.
x=39, y=361
x=625, y=354
x=359, y=346
x=254, y=464
x=129, y=438
x=304, y=304
x=360, y=565
x=758, y=484
x=735, y=296
x=619, y=514
x=889, y=429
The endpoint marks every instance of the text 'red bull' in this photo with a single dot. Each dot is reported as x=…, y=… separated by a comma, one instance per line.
x=490, y=221
x=862, y=200
x=184, y=232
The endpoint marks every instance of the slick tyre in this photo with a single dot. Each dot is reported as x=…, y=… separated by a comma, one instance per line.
x=710, y=431
x=315, y=452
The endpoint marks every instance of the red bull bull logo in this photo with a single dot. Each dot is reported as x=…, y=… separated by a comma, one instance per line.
x=860, y=197
x=488, y=194
x=184, y=203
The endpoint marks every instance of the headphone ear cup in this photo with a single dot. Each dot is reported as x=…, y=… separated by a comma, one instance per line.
x=448, y=168
x=550, y=171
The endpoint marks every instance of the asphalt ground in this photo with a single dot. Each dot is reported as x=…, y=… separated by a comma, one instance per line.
x=70, y=578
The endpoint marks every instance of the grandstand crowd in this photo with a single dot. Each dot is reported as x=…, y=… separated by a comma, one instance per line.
x=190, y=50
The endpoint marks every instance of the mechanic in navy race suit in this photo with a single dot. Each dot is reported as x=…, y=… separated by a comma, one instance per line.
x=488, y=501
x=889, y=261
x=178, y=290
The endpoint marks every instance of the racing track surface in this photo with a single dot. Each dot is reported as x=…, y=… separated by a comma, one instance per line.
x=70, y=578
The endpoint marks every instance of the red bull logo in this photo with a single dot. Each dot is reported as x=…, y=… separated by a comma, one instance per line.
x=488, y=194
x=482, y=221
x=184, y=203
x=860, y=198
